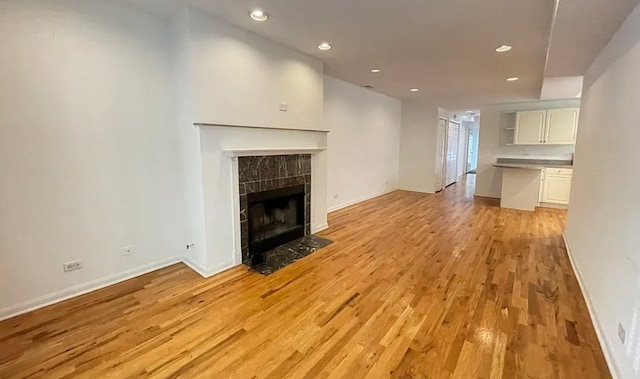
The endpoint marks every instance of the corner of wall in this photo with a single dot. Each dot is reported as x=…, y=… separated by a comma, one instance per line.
x=595, y=319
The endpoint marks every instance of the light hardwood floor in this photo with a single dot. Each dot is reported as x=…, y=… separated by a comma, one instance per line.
x=415, y=286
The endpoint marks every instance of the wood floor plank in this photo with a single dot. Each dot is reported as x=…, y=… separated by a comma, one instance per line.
x=414, y=286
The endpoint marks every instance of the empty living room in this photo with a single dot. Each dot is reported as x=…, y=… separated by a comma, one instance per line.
x=319, y=189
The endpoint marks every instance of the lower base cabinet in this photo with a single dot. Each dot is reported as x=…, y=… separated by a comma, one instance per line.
x=555, y=186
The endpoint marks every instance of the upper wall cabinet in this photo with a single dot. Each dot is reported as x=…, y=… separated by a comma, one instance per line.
x=547, y=127
x=562, y=126
x=530, y=127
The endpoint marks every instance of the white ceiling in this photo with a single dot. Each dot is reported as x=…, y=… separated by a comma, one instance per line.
x=582, y=29
x=564, y=87
x=444, y=47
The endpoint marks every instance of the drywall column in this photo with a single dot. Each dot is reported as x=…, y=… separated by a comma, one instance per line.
x=418, y=146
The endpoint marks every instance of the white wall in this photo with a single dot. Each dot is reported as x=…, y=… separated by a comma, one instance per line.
x=98, y=150
x=88, y=159
x=418, y=146
x=364, y=142
x=603, y=221
x=240, y=78
x=493, y=137
x=188, y=142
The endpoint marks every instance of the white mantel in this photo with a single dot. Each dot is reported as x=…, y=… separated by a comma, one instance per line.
x=234, y=153
x=220, y=147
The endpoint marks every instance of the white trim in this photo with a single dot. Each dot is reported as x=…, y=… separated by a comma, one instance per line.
x=81, y=289
x=204, y=124
x=207, y=272
x=354, y=202
x=604, y=342
x=235, y=217
x=272, y=151
x=319, y=228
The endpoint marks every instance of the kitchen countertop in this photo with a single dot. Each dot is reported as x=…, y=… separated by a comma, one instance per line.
x=532, y=164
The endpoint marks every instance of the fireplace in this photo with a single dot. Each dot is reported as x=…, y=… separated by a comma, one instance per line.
x=275, y=217
x=275, y=202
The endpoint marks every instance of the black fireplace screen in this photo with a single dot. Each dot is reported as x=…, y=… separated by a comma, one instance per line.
x=275, y=217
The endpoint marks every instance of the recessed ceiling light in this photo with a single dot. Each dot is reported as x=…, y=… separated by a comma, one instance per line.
x=503, y=48
x=414, y=90
x=512, y=79
x=375, y=70
x=258, y=15
x=324, y=46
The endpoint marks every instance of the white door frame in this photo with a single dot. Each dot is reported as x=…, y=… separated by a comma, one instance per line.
x=466, y=151
x=445, y=137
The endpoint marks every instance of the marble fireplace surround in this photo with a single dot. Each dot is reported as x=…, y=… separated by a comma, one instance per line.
x=271, y=172
x=219, y=240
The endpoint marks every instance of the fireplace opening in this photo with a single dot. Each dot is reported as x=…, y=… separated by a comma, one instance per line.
x=275, y=218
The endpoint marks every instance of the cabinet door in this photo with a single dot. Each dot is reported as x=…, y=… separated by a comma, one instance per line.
x=530, y=127
x=557, y=189
x=562, y=126
x=543, y=174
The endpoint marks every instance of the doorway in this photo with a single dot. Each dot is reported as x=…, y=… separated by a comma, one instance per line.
x=451, y=161
x=441, y=153
x=472, y=151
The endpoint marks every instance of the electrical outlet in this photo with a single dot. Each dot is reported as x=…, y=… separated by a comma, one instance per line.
x=284, y=107
x=129, y=250
x=335, y=196
x=72, y=266
x=621, y=333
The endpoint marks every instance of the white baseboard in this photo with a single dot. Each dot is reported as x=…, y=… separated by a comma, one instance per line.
x=604, y=342
x=81, y=289
x=207, y=272
x=319, y=228
x=419, y=190
x=488, y=196
x=353, y=202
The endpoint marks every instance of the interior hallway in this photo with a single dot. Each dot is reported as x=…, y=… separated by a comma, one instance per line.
x=415, y=286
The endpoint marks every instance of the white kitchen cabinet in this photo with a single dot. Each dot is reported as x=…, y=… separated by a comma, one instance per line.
x=561, y=126
x=547, y=127
x=556, y=187
x=530, y=127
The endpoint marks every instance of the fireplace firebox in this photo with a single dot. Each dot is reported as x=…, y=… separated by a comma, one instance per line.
x=275, y=217
x=275, y=203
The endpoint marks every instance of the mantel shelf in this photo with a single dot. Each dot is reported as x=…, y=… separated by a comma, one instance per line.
x=204, y=124
x=272, y=151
